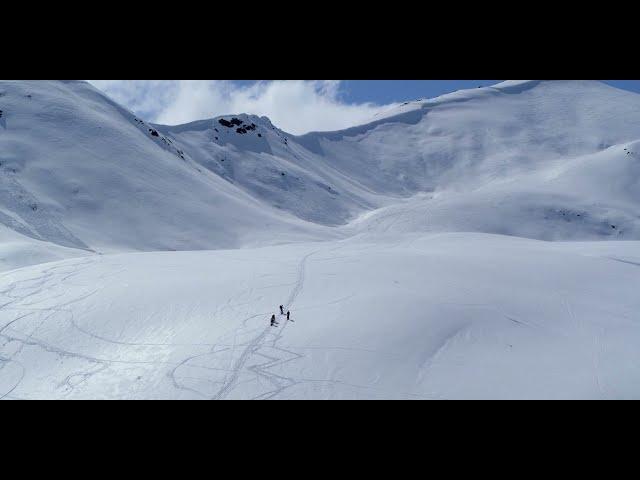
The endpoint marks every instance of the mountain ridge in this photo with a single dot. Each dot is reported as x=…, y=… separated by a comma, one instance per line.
x=115, y=182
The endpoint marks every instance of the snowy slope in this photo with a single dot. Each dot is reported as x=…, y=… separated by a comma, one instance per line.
x=548, y=160
x=522, y=158
x=80, y=171
x=386, y=301
x=467, y=138
x=18, y=250
x=251, y=153
x=591, y=197
x=399, y=316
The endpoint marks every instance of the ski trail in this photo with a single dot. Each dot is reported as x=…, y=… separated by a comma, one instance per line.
x=19, y=295
x=238, y=366
x=628, y=262
x=8, y=361
x=281, y=382
x=295, y=292
x=593, y=344
x=252, y=349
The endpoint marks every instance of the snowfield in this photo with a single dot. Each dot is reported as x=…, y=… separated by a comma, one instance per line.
x=412, y=317
x=483, y=244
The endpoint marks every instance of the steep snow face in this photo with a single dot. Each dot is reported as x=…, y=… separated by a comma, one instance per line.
x=266, y=163
x=397, y=316
x=78, y=170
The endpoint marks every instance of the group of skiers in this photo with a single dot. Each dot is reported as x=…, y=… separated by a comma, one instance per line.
x=274, y=322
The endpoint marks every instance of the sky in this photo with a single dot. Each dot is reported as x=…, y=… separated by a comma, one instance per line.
x=296, y=106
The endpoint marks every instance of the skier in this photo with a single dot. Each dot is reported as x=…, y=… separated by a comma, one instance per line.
x=281, y=310
x=288, y=313
x=273, y=321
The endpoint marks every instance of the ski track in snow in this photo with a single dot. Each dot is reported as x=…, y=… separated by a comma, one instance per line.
x=261, y=370
x=628, y=262
x=594, y=345
x=255, y=362
x=248, y=360
x=37, y=288
x=266, y=346
x=550, y=160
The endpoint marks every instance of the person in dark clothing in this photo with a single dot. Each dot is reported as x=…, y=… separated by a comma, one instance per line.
x=273, y=321
x=281, y=310
x=288, y=313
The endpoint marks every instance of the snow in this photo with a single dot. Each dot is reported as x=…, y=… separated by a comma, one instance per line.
x=79, y=171
x=482, y=244
x=400, y=316
x=17, y=251
x=592, y=197
x=101, y=181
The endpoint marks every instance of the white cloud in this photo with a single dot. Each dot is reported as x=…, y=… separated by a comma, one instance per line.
x=296, y=106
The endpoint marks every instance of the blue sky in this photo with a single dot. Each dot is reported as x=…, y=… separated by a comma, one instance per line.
x=296, y=106
x=387, y=91
x=390, y=91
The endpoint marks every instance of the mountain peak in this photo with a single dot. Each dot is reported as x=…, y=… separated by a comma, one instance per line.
x=68, y=151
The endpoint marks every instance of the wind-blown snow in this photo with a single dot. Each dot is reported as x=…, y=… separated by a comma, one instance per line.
x=413, y=250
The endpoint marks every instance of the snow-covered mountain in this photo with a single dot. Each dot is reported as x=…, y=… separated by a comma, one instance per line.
x=547, y=160
x=541, y=159
x=80, y=171
x=354, y=231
